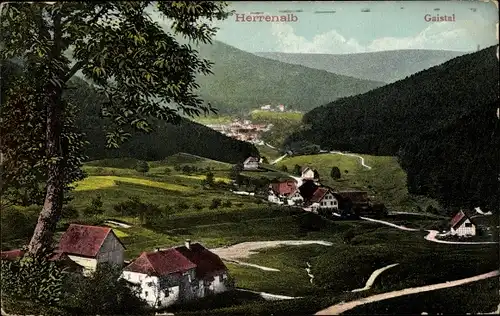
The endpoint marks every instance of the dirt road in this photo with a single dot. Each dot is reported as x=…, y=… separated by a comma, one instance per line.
x=342, y=307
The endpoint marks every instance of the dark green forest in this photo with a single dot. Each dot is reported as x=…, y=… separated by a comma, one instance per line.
x=459, y=164
x=166, y=139
x=440, y=122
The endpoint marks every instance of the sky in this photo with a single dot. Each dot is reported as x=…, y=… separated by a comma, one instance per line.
x=389, y=25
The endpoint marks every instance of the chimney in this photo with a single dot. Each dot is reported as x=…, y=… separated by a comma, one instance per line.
x=188, y=243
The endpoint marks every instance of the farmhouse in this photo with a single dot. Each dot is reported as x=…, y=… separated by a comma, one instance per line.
x=461, y=225
x=278, y=191
x=89, y=246
x=307, y=173
x=251, y=163
x=325, y=198
x=295, y=198
x=177, y=274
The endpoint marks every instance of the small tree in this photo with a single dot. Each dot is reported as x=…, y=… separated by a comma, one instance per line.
x=215, y=203
x=335, y=173
x=177, y=167
x=186, y=169
x=235, y=171
x=209, y=178
x=142, y=166
x=167, y=171
x=284, y=168
x=264, y=160
x=95, y=207
x=227, y=203
x=297, y=170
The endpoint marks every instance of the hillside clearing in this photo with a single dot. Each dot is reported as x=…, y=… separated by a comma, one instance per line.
x=103, y=182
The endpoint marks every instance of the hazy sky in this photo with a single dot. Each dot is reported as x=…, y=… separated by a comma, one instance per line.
x=349, y=30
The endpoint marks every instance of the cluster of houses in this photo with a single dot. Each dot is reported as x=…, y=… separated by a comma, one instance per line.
x=309, y=194
x=243, y=130
x=166, y=276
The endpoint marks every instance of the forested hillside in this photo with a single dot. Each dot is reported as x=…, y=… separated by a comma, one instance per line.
x=460, y=163
x=242, y=81
x=440, y=122
x=387, y=66
x=382, y=120
x=165, y=140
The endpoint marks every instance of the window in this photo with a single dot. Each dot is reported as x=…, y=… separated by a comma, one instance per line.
x=468, y=224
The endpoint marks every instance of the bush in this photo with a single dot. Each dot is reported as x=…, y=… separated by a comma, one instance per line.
x=182, y=206
x=167, y=171
x=69, y=212
x=215, y=203
x=227, y=203
x=197, y=206
x=142, y=166
x=129, y=207
x=95, y=207
x=104, y=292
x=16, y=224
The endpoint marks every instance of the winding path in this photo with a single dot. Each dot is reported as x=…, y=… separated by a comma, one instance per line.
x=245, y=249
x=372, y=278
x=432, y=234
x=279, y=159
x=352, y=155
x=269, y=296
x=342, y=307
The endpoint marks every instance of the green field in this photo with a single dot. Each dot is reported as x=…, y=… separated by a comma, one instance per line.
x=386, y=180
x=273, y=117
x=213, y=119
x=359, y=247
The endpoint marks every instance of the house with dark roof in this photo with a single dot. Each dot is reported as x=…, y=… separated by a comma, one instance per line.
x=462, y=225
x=177, y=274
x=324, y=198
x=89, y=246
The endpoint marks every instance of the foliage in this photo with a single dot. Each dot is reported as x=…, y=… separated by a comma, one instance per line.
x=24, y=162
x=297, y=170
x=335, y=173
x=227, y=203
x=95, y=207
x=33, y=279
x=209, y=178
x=215, y=204
x=17, y=224
x=104, y=292
x=70, y=212
x=142, y=166
x=284, y=168
x=133, y=63
x=167, y=171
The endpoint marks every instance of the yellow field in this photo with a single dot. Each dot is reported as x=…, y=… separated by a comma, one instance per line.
x=101, y=182
x=201, y=177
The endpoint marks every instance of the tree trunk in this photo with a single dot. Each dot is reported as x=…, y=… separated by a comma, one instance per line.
x=52, y=207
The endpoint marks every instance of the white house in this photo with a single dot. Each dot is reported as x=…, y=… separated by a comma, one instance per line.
x=307, y=173
x=461, y=225
x=177, y=275
x=325, y=198
x=251, y=163
x=295, y=198
x=89, y=246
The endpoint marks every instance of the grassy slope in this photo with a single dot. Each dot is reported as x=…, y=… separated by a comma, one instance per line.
x=386, y=180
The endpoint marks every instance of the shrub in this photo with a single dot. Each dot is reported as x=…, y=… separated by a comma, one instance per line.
x=16, y=224
x=95, y=207
x=238, y=204
x=167, y=171
x=177, y=167
x=227, y=203
x=182, y=206
x=142, y=166
x=69, y=212
x=197, y=206
x=129, y=207
x=215, y=203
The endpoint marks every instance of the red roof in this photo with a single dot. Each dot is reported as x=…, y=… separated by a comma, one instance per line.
x=207, y=263
x=458, y=219
x=11, y=254
x=84, y=240
x=160, y=263
x=319, y=194
x=285, y=187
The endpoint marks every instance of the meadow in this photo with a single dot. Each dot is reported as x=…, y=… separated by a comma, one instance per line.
x=184, y=211
x=386, y=181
